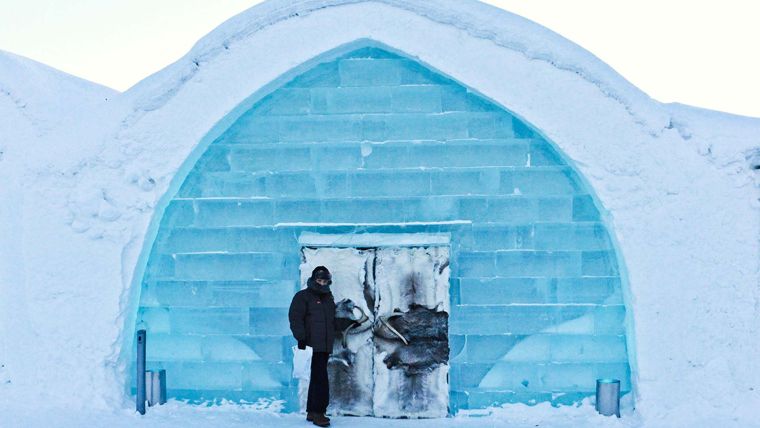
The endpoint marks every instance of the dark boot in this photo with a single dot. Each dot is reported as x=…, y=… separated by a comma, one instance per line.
x=320, y=420
x=310, y=416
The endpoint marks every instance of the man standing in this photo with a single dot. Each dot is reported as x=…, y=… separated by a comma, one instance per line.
x=312, y=321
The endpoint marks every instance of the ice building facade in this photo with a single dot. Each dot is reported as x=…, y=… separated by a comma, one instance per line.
x=369, y=144
x=532, y=216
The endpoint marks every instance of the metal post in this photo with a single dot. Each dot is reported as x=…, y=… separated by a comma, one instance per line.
x=149, y=388
x=608, y=397
x=141, y=338
x=161, y=386
x=155, y=381
x=155, y=387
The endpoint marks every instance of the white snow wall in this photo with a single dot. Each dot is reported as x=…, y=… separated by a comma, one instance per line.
x=679, y=194
x=47, y=293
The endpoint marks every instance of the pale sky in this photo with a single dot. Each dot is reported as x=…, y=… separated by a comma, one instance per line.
x=703, y=53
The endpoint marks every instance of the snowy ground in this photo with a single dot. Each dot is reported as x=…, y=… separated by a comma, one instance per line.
x=177, y=414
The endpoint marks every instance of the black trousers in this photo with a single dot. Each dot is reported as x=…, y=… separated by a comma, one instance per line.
x=319, y=384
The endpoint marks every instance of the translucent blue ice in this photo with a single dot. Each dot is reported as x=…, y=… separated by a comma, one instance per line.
x=376, y=142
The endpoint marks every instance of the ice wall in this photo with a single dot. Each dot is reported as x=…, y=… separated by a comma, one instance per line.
x=376, y=142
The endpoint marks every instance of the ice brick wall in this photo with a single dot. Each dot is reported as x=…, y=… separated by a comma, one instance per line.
x=371, y=142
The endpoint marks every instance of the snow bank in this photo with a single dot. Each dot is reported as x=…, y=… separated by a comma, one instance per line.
x=730, y=142
x=84, y=171
x=49, y=123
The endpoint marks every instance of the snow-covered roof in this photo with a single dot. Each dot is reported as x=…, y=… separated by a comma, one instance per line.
x=727, y=140
x=41, y=107
x=41, y=93
x=48, y=98
x=90, y=167
x=739, y=137
x=477, y=19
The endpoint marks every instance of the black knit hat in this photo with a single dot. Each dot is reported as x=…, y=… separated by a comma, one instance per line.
x=321, y=272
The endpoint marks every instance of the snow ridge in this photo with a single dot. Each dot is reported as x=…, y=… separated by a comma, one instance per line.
x=477, y=19
x=729, y=142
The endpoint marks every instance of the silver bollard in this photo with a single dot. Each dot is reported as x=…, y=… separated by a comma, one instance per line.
x=140, y=399
x=156, y=386
x=608, y=397
x=162, y=383
x=149, y=387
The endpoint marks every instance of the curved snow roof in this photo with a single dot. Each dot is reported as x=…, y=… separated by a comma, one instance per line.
x=477, y=19
x=49, y=98
x=739, y=138
x=677, y=183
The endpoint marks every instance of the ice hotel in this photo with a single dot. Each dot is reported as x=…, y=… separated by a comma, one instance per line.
x=465, y=173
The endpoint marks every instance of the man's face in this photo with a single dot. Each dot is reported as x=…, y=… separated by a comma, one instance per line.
x=321, y=281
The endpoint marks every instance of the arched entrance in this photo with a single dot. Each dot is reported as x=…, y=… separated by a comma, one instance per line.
x=375, y=142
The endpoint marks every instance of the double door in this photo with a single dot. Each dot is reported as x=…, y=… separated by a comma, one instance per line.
x=390, y=356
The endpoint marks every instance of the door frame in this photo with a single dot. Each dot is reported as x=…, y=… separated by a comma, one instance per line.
x=377, y=241
x=374, y=240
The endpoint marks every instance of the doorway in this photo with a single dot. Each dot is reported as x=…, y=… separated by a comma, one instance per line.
x=392, y=359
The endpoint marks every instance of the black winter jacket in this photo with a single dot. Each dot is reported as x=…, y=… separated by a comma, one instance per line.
x=312, y=318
